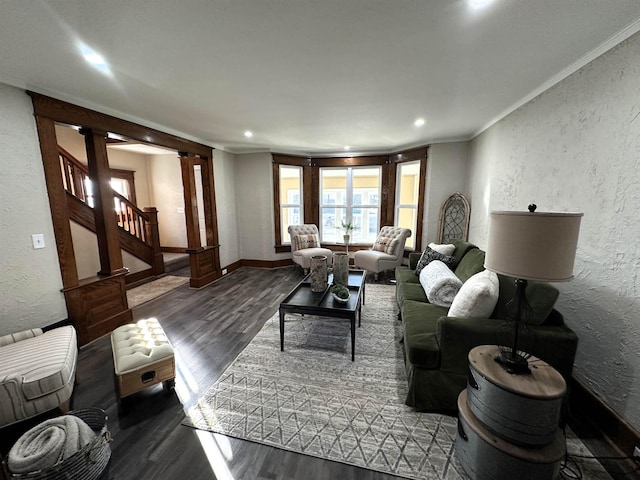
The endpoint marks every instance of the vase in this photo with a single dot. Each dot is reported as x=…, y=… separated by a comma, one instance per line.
x=346, y=239
x=319, y=273
x=341, y=268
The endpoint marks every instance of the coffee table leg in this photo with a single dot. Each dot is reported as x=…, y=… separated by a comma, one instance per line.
x=353, y=338
x=281, y=331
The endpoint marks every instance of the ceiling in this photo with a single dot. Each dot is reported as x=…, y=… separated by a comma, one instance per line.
x=306, y=76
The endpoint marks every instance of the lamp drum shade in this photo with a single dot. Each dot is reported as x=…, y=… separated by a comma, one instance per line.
x=533, y=245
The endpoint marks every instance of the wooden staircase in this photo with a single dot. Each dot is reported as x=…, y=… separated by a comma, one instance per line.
x=138, y=229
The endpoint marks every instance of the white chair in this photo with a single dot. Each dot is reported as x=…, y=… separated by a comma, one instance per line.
x=37, y=372
x=387, y=251
x=305, y=243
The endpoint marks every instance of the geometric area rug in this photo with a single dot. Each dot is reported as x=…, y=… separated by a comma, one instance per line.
x=312, y=399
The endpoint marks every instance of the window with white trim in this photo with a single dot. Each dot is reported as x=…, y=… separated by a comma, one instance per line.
x=407, y=194
x=291, y=199
x=350, y=194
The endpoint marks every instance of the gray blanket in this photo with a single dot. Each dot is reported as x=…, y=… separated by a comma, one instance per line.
x=440, y=284
x=49, y=443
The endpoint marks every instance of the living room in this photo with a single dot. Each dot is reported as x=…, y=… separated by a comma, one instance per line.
x=573, y=146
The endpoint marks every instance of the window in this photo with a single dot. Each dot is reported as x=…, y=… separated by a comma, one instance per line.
x=350, y=194
x=291, y=207
x=369, y=191
x=407, y=195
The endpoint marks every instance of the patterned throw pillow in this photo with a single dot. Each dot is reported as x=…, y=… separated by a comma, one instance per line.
x=306, y=241
x=385, y=244
x=429, y=255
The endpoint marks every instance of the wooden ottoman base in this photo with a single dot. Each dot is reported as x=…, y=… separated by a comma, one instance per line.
x=142, y=357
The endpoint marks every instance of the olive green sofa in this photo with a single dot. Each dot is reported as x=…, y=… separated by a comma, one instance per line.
x=436, y=346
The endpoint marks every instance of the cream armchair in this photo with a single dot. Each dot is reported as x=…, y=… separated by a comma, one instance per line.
x=37, y=372
x=387, y=251
x=305, y=243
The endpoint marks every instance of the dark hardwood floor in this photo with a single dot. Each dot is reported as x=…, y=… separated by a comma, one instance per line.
x=208, y=328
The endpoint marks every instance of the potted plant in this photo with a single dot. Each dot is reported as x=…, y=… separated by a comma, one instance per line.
x=348, y=227
x=340, y=293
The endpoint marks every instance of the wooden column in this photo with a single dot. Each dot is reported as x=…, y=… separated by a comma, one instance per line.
x=153, y=235
x=57, y=201
x=204, y=261
x=103, y=208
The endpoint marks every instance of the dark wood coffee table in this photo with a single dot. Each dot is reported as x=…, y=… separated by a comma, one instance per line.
x=303, y=300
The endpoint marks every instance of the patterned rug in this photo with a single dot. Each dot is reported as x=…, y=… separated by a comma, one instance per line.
x=151, y=290
x=313, y=399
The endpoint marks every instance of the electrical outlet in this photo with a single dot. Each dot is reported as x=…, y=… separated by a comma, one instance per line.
x=224, y=272
x=636, y=454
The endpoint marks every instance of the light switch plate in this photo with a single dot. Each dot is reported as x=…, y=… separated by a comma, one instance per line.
x=38, y=240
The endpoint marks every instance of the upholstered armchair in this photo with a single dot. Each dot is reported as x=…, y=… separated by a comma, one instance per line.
x=37, y=372
x=305, y=243
x=387, y=251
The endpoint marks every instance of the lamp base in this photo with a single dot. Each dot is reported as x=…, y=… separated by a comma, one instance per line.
x=513, y=363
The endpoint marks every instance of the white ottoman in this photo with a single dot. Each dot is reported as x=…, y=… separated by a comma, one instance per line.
x=142, y=356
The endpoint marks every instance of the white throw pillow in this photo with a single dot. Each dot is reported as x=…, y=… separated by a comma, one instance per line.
x=444, y=248
x=477, y=297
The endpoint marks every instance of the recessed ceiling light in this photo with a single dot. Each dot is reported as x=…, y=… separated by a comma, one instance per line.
x=419, y=122
x=347, y=147
x=248, y=134
x=479, y=3
x=94, y=59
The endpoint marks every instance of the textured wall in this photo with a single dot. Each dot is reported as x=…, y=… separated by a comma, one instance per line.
x=577, y=148
x=166, y=194
x=30, y=280
x=255, y=207
x=446, y=174
x=224, y=171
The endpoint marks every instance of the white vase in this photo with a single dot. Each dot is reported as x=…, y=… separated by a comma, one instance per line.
x=346, y=239
x=341, y=268
x=319, y=273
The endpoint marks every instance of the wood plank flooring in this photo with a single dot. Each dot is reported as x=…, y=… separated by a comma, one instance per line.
x=209, y=328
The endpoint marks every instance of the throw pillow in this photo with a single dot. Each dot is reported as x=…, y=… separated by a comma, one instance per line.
x=477, y=296
x=443, y=248
x=429, y=255
x=440, y=284
x=309, y=240
x=382, y=244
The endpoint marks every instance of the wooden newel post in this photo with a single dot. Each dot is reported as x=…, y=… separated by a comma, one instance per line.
x=153, y=237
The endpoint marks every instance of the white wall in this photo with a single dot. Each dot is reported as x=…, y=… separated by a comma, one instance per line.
x=165, y=180
x=576, y=147
x=225, y=179
x=255, y=207
x=446, y=174
x=30, y=280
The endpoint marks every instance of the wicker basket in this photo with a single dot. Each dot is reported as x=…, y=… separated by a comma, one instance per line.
x=88, y=463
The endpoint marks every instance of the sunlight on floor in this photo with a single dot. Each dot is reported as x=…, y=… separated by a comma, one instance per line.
x=218, y=450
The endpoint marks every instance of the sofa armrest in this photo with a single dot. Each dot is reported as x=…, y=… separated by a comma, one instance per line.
x=414, y=258
x=16, y=337
x=555, y=344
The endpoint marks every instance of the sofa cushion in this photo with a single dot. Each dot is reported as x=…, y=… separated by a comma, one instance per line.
x=309, y=240
x=477, y=296
x=540, y=296
x=429, y=255
x=439, y=283
x=420, y=322
x=405, y=275
x=42, y=364
x=410, y=291
x=470, y=264
x=443, y=248
x=462, y=247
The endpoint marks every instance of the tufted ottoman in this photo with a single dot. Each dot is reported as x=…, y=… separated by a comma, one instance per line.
x=142, y=356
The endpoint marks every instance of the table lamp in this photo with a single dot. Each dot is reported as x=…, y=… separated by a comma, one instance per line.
x=539, y=246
